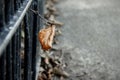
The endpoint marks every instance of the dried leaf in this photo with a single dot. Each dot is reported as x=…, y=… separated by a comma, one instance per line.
x=42, y=76
x=47, y=15
x=47, y=60
x=52, y=9
x=55, y=22
x=50, y=74
x=60, y=72
x=46, y=37
x=49, y=4
x=58, y=23
x=54, y=1
x=58, y=32
x=52, y=18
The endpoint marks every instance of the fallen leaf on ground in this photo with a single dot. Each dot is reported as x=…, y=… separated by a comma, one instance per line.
x=46, y=37
x=60, y=72
x=55, y=22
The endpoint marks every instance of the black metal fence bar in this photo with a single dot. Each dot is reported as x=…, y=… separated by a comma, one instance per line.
x=18, y=55
x=9, y=61
x=35, y=32
x=28, y=50
x=2, y=15
x=15, y=18
x=7, y=33
x=2, y=68
x=14, y=57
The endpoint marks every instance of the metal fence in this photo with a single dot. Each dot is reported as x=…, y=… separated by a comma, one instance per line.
x=15, y=17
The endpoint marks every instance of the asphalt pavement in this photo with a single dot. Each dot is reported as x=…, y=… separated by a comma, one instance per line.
x=91, y=38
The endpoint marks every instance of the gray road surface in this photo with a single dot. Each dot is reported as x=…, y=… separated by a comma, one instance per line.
x=91, y=38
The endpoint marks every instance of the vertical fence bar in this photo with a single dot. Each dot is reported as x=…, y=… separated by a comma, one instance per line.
x=12, y=7
x=19, y=48
x=2, y=68
x=40, y=10
x=21, y=1
x=18, y=3
x=2, y=17
x=34, y=40
x=28, y=52
x=9, y=61
x=39, y=26
x=14, y=57
x=17, y=54
x=7, y=10
x=15, y=5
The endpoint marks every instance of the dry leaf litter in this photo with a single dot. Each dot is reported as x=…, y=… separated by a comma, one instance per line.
x=51, y=64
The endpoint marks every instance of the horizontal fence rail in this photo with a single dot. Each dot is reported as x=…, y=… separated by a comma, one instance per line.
x=19, y=27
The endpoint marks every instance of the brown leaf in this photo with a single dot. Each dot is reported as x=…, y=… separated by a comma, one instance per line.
x=54, y=1
x=55, y=22
x=46, y=37
x=42, y=76
x=58, y=32
x=60, y=72
x=50, y=74
x=58, y=23
x=52, y=9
